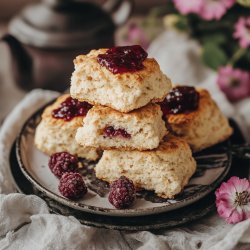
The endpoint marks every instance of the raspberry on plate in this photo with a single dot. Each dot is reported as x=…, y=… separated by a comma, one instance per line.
x=122, y=193
x=62, y=162
x=72, y=186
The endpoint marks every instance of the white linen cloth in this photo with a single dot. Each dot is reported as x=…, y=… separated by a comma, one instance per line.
x=25, y=221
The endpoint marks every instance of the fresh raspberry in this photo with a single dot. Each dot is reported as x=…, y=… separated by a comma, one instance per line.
x=122, y=193
x=72, y=186
x=62, y=162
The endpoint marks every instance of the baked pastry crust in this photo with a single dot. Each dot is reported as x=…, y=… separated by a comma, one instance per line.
x=145, y=125
x=165, y=170
x=203, y=127
x=124, y=92
x=55, y=135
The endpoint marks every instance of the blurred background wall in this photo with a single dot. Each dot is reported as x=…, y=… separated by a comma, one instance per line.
x=9, y=8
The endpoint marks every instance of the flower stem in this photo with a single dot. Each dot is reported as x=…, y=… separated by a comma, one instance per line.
x=236, y=56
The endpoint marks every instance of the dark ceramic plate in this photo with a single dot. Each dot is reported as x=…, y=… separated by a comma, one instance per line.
x=240, y=167
x=212, y=166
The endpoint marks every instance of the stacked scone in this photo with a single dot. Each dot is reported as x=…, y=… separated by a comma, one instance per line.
x=122, y=104
x=57, y=129
x=193, y=115
x=124, y=86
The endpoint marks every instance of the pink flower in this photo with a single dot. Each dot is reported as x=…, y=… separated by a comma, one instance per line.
x=215, y=9
x=136, y=35
x=233, y=200
x=242, y=31
x=188, y=6
x=207, y=9
x=235, y=83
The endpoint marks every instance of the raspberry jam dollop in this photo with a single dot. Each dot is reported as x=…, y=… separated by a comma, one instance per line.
x=180, y=99
x=123, y=59
x=112, y=132
x=71, y=108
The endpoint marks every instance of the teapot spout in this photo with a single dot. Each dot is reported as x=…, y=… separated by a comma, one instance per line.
x=21, y=61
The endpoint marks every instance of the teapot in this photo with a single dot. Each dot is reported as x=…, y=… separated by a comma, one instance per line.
x=45, y=38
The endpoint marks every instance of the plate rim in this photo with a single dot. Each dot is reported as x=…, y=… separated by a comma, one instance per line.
x=165, y=223
x=111, y=211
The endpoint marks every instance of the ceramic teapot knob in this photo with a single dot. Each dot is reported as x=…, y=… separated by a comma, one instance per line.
x=119, y=10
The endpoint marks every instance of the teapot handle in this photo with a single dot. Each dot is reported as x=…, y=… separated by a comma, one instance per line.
x=120, y=10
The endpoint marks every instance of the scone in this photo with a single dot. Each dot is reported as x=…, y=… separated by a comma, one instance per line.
x=165, y=170
x=107, y=128
x=124, y=92
x=203, y=127
x=57, y=135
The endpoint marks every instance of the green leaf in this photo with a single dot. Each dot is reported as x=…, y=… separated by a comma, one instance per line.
x=182, y=24
x=213, y=56
x=217, y=38
x=247, y=55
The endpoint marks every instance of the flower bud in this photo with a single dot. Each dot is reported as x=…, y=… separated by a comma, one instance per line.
x=170, y=21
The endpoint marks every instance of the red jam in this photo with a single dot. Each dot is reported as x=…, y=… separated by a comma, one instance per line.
x=71, y=108
x=112, y=132
x=180, y=99
x=123, y=59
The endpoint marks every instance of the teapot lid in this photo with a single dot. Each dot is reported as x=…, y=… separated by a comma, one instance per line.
x=62, y=24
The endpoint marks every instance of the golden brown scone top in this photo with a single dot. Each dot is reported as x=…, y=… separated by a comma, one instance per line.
x=169, y=145
x=89, y=63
